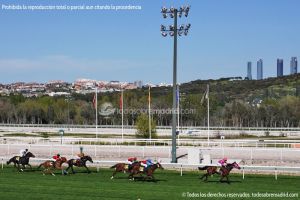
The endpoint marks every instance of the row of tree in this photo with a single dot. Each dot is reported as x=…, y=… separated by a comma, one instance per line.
x=78, y=109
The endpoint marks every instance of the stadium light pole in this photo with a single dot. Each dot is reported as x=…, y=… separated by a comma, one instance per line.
x=173, y=31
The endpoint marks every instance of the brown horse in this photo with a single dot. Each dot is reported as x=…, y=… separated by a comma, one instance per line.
x=224, y=171
x=79, y=163
x=123, y=167
x=50, y=165
x=147, y=171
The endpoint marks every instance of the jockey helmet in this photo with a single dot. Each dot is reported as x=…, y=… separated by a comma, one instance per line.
x=26, y=149
x=58, y=154
x=225, y=158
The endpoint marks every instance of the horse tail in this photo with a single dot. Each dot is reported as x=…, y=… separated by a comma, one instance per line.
x=39, y=166
x=8, y=162
x=203, y=168
x=113, y=166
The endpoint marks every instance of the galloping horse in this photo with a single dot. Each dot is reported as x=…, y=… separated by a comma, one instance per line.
x=17, y=160
x=50, y=165
x=148, y=171
x=123, y=167
x=79, y=163
x=224, y=171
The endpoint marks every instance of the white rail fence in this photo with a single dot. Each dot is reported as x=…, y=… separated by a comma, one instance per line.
x=182, y=167
x=161, y=152
x=186, y=131
x=158, y=127
x=241, y=143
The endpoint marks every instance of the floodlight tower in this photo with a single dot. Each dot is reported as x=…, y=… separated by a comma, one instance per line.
x=173, y=31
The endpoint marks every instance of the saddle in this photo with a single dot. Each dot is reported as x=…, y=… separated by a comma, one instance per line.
x=20, y=158
x=126, y=166
x=142, y=168
x=77, y=161
x=223, y=170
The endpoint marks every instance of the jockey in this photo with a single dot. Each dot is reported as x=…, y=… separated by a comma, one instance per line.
x=146, y=163
x=23, y=152
x=149, y=162
x=223, y=162
x=56, y=157
x=79, y=159
x=130, y=161
x=81, y=154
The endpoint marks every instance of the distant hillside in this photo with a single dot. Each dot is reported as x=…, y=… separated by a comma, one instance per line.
x=227, y=89
x=272, y=102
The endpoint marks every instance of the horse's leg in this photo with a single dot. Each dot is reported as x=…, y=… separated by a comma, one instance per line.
x=19, y=168
x=45, y=171
x=114, y=173
x=68, y=167
x=87, y=168
x=227, y=179
x=30, y=166
x=23, y=166
x=152, y=177
x=206, y=176
x=140, y=174
x=221, y=179
x=51, y=172
x=130, y=177
x=202, y=176
x=72, y=169
x=64, y=172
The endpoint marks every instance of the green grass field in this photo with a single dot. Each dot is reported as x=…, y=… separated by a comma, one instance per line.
x=169, y=185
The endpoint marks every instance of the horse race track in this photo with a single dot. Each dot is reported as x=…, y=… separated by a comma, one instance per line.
x=169, y=185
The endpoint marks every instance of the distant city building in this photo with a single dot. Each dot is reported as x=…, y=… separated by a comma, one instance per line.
x=138, y=84
x=260, y=69
x=294, y=65
x=279, y=67
x=249, y=70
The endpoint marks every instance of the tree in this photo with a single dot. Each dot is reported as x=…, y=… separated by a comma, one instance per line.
x=142, y=126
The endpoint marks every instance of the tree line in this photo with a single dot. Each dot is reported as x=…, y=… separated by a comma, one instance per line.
x=224, y=111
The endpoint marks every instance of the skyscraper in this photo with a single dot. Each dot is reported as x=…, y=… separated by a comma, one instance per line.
x=260, y=69
x=249, y=71
x=279, y=67
x=294, y=65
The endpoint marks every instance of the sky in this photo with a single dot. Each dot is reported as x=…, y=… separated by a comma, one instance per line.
x=126, y=45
